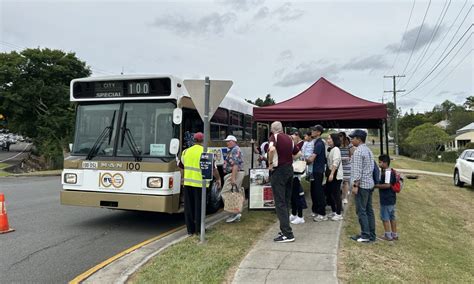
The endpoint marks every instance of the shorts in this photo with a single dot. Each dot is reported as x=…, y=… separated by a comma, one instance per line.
x=387, y=212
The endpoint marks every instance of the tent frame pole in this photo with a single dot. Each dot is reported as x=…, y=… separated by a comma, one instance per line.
x=386, y=136
x=381, y=137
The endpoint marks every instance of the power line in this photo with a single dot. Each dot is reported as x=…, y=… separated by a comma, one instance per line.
x=437, y=65
x=417, y=37
x=445, y=35
x=11, y=45
x=16, y=46
x=427, y=47
x=447, y=64
x=454, y=35
x=403, y=37
x=450, y=72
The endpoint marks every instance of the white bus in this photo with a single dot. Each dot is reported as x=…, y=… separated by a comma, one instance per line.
x=129, y=131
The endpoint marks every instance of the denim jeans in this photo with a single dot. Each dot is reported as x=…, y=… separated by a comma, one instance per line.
x=365, y=212
x=281, y=181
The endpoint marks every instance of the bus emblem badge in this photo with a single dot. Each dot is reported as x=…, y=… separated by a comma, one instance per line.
x=107, y=180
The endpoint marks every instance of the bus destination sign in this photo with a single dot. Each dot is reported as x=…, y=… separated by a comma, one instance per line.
x=125, y=88
x=108, y=89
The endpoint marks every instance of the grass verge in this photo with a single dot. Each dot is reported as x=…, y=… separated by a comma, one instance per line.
x=3, y=166
x=436, y=245
x=401, y=162
x=214, y=262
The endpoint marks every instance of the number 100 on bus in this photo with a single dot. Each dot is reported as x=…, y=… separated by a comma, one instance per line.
x=136, y=88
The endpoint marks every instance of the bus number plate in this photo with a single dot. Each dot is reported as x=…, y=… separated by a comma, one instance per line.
x=90, y=165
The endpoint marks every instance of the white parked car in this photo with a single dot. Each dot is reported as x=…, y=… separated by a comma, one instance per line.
x=464, y=168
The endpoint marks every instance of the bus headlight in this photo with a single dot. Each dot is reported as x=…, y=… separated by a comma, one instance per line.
x=155, y=182
x=70, y=178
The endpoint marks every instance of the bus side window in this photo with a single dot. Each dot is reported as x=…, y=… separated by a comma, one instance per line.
x=237, y=124
x=220, y=124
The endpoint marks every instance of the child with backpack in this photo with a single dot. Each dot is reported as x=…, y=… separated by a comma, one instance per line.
x=390, y=184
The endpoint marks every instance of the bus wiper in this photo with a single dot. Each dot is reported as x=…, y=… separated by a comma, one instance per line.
x=132, y=145
x=100, y=140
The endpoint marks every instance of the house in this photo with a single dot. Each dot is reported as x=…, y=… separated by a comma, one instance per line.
x=463, y=136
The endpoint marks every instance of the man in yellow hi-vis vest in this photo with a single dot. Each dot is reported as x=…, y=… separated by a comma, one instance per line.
x=192, y=179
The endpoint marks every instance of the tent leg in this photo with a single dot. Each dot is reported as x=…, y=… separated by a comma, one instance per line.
x=386, y=136
x=381, y=138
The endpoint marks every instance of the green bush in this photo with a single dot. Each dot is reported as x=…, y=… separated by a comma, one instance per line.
x=449, y=157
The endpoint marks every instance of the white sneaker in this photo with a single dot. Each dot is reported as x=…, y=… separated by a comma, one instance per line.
x=362, y=240
x=337, y=217
x=298, y=220
x=344, y=201
x=313, y=214
x=320, y=218
x=332, y=214
x=293, y=217
x=233, y=218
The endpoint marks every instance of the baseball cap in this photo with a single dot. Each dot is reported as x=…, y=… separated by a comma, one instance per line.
x=231, y=138
x=358, y=133
x=317, y=127
x=198, y=136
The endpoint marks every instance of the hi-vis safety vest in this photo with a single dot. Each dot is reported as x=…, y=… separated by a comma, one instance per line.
x=192, y=171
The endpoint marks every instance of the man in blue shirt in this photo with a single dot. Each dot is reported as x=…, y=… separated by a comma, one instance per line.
x=318, y=159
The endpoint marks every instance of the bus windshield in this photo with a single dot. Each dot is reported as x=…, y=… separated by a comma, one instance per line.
x=144, y=128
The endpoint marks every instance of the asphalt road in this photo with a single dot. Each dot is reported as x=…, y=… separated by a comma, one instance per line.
x=54, y=243
x=17, y=152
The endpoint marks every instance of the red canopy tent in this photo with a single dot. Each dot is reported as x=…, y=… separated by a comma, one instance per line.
x=326, y=104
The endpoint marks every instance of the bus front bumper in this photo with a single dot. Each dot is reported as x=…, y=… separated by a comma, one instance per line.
x=154, y=203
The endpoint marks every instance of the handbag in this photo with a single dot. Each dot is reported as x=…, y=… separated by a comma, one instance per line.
x=234, y=200
x=327, y=172
x=299, y=167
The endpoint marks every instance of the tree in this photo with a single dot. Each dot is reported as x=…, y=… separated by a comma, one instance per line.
x=459, y=119
x=426, y=141
x=259, y=102
x=408, y=122
x=34, y=87
x=469, y=104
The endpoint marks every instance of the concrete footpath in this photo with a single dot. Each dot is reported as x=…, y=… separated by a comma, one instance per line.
x=312, y=258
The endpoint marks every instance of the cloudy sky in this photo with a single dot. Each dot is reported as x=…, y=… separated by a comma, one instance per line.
x=264, y=46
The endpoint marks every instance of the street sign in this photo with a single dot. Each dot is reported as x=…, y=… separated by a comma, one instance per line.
x=219, y=89
x=205, y=164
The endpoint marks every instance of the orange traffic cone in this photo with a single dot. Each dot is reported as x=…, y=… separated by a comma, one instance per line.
x=4, y=227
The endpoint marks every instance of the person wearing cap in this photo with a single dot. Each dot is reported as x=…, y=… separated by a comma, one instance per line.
x=192, y=180
x=282, y=178
x=318, y=159
x=363, y=186
x=233, y=171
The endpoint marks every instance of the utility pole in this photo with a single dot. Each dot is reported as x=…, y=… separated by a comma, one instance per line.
x=395, y=105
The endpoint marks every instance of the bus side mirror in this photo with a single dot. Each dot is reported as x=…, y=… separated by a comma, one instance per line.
x=177, y=116
x=174, y=146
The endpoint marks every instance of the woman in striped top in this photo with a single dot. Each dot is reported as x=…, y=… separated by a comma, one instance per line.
x=346, y=164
